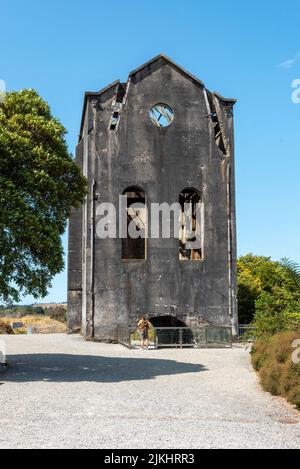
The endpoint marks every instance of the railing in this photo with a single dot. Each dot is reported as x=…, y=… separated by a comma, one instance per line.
x=124, y=336
x=246, y=332
x=178, y=337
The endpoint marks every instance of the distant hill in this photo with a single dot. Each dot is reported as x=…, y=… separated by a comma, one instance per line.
x=55, y=311
x=34, y=305
x=31, y=309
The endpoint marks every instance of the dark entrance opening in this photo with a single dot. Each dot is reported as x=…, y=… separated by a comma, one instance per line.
x=171, y=331
x=166, y=321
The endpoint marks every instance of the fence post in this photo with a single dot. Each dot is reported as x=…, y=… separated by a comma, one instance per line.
x=180, y=337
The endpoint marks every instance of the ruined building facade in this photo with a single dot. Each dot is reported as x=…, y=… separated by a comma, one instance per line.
x=162, y=137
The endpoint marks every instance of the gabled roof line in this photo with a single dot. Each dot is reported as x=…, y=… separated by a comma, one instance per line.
x=89, y=94
x=170, y=61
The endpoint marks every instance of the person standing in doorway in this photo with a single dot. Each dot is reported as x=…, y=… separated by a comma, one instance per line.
x=143, y=327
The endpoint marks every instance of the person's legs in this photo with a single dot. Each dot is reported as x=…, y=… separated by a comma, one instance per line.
x=146, y=340
x=143, y=340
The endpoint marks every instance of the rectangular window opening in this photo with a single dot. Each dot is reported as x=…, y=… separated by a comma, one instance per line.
x=191, y=223
x=134, y=248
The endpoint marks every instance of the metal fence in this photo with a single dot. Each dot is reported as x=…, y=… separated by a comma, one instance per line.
x=246, y=332
x=178, y=337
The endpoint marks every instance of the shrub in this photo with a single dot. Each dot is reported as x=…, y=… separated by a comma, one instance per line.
x=272, y=357
x=59, y=313
x=271, y=376
x=260, y=353
x=5, y=328
x=267, y=324
x=294, y=396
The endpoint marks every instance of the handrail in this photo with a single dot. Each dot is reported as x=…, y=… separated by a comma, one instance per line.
x=180, y=336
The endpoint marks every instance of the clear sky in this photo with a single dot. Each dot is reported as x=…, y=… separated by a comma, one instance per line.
x=249, y=50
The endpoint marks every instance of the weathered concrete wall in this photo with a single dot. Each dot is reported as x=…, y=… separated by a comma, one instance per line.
x=163, y=162
x=75, y=261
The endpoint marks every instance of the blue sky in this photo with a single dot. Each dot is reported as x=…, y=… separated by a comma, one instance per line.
x=249, y=50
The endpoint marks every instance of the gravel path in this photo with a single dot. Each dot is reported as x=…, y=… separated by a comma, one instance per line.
x=63, y=392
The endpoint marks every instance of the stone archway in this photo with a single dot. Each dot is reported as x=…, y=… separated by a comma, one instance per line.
x=166, y=321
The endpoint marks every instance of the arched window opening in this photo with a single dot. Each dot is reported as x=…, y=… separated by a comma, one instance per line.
x=134, y=245
x=191, y=226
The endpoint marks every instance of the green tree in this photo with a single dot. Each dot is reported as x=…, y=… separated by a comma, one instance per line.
x=267, y=288
x=291, y=270
x=38, y=310
x=256, y=274
x=39, y=186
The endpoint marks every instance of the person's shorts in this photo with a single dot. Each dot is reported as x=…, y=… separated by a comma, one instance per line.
x=144, y=335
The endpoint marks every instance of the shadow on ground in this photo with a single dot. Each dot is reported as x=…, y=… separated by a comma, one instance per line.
x=76, y=368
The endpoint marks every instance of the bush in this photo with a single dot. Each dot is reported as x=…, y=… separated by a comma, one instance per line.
x=59, y=313
x=267, y=323
x=271, y=375
x=267, y=286
x=272, y=357
x=38, y=311
x=5, y=328
x=260, y=354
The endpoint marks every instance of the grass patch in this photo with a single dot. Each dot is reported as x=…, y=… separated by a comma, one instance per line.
x=40, y=324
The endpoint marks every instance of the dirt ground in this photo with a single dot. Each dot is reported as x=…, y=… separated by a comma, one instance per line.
x=60, y=391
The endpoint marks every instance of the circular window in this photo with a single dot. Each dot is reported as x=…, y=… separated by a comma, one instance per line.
x=161, y=115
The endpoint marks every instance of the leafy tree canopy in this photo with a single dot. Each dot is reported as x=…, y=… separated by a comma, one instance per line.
x=267, y=287
x=39, y=186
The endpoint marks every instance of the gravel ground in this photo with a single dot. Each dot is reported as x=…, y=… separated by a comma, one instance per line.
x=62, y=392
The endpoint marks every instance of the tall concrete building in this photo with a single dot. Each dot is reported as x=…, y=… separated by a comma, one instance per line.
x=160, y=138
